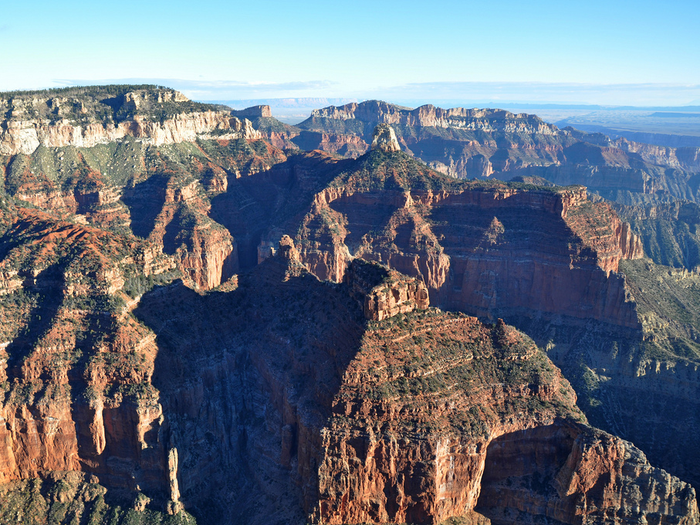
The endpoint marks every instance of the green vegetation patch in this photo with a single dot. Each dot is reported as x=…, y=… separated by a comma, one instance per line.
x=66, y=498
x=668, y=303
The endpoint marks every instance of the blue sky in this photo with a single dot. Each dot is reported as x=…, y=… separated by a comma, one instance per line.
x=600, y=52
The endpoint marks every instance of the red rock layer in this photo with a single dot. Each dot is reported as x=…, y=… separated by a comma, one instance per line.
x=75, y=366
x=572, y=474
x=470, y=421
x=384, y=293
x=24, y=133
x=289, y=393
x=488, y=251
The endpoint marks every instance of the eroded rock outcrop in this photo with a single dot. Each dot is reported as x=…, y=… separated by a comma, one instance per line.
x=352, y=429
x=76, y=366
x=384, y=293
x=162, y=193
x=469, y=143
x=573, y=474
x=384, y=139
x=463, y=240
x=37, y=120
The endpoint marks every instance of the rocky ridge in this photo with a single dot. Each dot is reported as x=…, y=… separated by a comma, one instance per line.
x=76, y=366
x=481, y=143
x=451, y=238
x=157, y=192
x=224, y=410
x=59, y=121
x=338, y=435
x=387, y=208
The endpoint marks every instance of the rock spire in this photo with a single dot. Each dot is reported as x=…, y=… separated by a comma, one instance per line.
x=384, y=138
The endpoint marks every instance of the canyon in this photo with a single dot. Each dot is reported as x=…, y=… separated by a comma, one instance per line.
x=203, y=321
x=492, y=143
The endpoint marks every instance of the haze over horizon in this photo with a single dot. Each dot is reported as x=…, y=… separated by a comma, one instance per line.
x=626, y=53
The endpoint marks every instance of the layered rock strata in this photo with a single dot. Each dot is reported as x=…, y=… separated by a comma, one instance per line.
x=161, y=193
x=384, y=293
x=76, y=366
x=478, y=143
x=367, y=434
x=34, y=121
x=490, y=251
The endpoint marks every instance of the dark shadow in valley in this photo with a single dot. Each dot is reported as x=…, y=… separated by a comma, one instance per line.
x=520, y=472
x=145, y=201
x=272, y=200
x=241, y=375
x=47, y=286
x=173, y=231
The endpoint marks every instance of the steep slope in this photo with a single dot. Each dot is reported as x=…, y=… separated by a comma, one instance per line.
x=392, y=421
x=461, y=237
x=86, y=117
x=545, y=259
x=277, y=397
x=477, y=143
x=76, y=365
x=133, y=158
x=669, y=231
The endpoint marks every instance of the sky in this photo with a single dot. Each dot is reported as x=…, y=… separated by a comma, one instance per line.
x=616, y=52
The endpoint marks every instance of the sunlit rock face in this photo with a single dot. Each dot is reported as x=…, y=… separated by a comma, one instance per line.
x=384, y=139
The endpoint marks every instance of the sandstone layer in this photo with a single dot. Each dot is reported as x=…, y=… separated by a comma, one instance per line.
x=76, y=366
x=462, y=241
x=480, y=143
x=33, y=121
x=367, y=434
x=317, y=386
x=161, y=193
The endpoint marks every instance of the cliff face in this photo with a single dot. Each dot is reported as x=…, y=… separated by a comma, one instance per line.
x=25, y=136
x=684, y=158
x=459, y=142
x=462, y=243
x=669, y=232
x=587, y=477
x=279, y=397
x=76, y=366
x=348, y=428
x=159, y=192
x=480, y=143
x=395, y=293
x=55, y=121
x=375, y=112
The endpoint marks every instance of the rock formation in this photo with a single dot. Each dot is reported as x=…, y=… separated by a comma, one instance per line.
x=76, y=366
x=461, y=239
x=479, y=143
x=367, y=434
x=384, y=139
x=151, y=180
x=384, y=293
x=296, y=373
x=39, y=121
x=254, y=112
